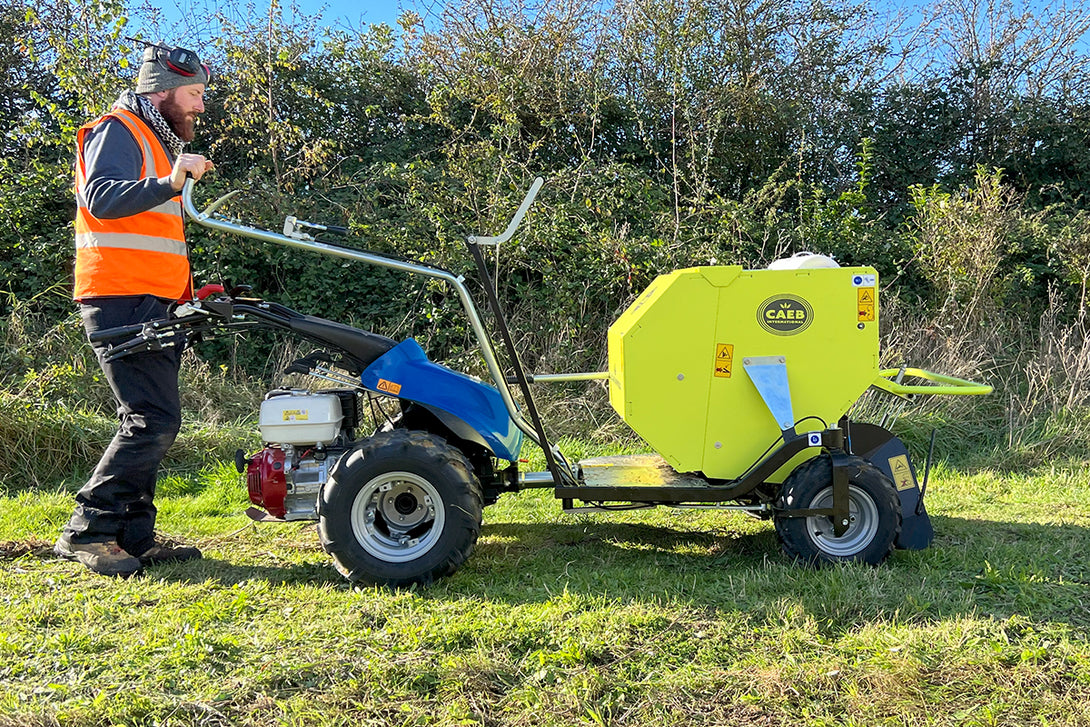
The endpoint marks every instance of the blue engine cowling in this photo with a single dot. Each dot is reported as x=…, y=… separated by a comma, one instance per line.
x=472, y=410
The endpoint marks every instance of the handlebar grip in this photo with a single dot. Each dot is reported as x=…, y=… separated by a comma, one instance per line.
x=107, y=333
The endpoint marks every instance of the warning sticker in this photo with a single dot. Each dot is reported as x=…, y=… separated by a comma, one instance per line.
x=724, y=359
x=866, y=303
x=389, y=387
x=902, y=472
x=296, y=415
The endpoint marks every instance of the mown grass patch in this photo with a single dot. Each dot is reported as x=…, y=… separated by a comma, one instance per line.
x=641, y=618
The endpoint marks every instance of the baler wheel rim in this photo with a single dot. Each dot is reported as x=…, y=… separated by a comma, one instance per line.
x=862, y=527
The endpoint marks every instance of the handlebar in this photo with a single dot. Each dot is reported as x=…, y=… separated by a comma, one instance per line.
x=107, y=334
x=216, y=222
x=148, y=328
x=519, y=214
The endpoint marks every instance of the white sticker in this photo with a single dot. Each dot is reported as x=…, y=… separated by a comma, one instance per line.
x=864, y=281
x=813, y=439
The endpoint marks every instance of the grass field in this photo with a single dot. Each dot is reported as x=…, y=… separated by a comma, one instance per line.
x=660, y=617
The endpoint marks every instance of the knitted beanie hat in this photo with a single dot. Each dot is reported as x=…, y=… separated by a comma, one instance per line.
x=165, y=67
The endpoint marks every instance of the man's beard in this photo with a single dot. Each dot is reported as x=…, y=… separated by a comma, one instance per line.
x=182, y=124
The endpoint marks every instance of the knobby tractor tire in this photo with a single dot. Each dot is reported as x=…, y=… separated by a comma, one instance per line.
x=402, y=508
x=875, y=519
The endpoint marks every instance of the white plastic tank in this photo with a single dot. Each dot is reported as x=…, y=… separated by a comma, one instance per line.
x=803, y=261
x=299, y=417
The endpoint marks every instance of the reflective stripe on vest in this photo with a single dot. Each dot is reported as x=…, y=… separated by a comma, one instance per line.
x=137, y=255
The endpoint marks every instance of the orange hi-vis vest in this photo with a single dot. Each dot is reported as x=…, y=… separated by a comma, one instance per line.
x=144, y=254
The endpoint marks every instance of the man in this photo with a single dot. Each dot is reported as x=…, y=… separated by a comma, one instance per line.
x=131, y=265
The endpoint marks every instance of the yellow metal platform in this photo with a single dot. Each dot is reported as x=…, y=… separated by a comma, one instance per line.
x=635, y=470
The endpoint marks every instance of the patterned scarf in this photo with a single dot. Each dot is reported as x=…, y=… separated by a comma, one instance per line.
x=130, y=101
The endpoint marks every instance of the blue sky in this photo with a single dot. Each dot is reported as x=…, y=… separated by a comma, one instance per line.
x=350, y=13
x=354, y=13
x=369, y=11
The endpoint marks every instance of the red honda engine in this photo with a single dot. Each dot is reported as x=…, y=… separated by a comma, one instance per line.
x=305, y=433
x=286, y=481
x=266, y=481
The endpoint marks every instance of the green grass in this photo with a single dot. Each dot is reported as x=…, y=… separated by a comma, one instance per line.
x=659, y=617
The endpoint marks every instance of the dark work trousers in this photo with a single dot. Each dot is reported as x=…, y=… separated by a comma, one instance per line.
x=116, y=503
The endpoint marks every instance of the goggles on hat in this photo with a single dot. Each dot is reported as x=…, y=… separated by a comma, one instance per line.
x=181, y=61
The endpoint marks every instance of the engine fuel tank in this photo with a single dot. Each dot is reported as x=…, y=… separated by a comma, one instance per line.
x=300, y=417
x=677, y=358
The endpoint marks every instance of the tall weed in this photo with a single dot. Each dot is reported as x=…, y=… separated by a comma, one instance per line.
x=57, y=412
x=961, y=240
x=1039, y=369
x=978, y=248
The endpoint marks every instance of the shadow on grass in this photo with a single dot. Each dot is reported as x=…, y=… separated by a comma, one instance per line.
x=1000, y=569
x=228, y=573
x=1003, y=570
x=207, y=569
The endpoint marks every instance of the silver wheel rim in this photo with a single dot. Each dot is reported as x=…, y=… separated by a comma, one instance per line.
x=397, y=516
x=862, y=525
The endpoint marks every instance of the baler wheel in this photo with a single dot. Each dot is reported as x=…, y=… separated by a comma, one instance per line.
x=873, y=503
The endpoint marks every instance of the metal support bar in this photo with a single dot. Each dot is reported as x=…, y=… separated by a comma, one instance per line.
x=942, y=384
x=677, y=505
x=926, y=471
x=841, y=501
x=645, y=494
x=519, y=214
x=840, y=513
x=551, y=460
x=561, y=378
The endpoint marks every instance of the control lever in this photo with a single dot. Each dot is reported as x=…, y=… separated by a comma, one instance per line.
x=295, y=228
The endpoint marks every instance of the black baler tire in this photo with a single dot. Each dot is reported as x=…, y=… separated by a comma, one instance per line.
x=813, y=477
x=419, y=454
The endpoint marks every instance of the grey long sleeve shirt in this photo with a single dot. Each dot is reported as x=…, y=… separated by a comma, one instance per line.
x=114, y=188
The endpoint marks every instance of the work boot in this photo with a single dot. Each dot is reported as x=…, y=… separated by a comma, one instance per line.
x=168, y=553
x=106, y=558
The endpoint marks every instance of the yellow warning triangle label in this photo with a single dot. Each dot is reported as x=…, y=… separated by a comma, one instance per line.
x=902, y=472
x=724, y=359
